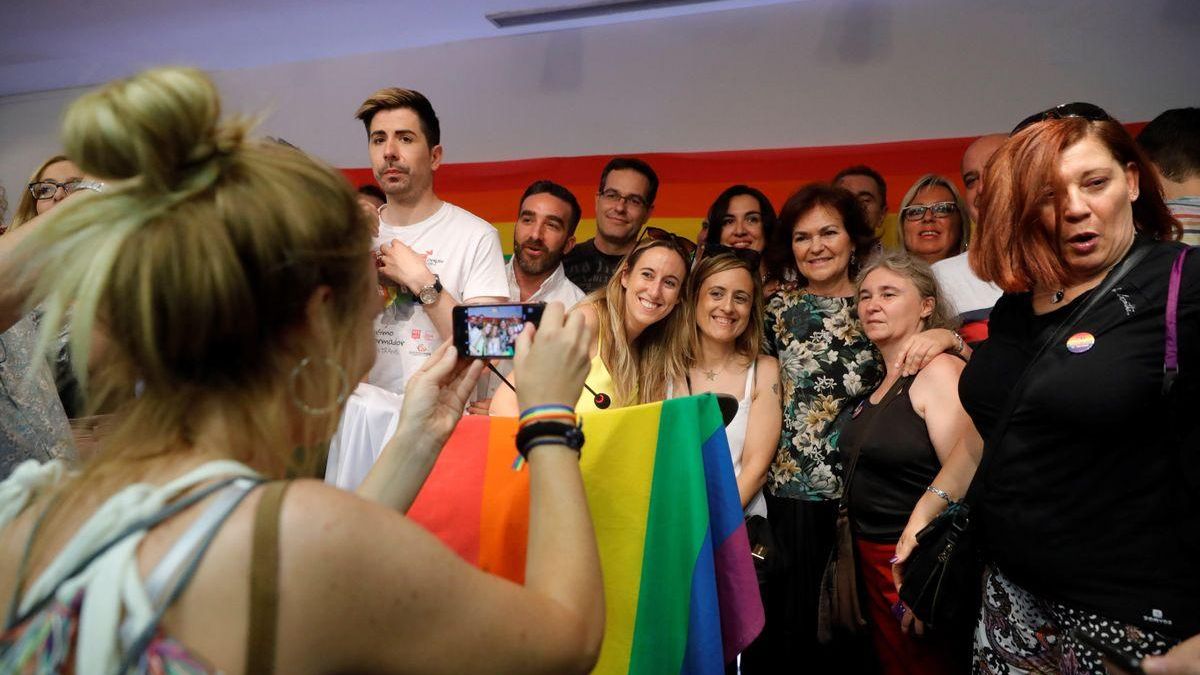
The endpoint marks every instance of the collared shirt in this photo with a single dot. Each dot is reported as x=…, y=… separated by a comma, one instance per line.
x=556, y=288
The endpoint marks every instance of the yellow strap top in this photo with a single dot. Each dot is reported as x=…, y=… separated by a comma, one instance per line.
x=600, y=382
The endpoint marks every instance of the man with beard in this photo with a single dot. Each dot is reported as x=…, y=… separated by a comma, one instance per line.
x=624, y=202
x=432, y=255
x=544, y=233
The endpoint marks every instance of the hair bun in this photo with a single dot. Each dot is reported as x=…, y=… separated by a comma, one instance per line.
x=161, y=125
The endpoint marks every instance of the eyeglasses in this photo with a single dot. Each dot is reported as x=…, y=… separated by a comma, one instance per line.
x=746, y=255
x=1088, y=111
x=917, y=211
x=685, y=246
x=611, y=195
x=46, y=189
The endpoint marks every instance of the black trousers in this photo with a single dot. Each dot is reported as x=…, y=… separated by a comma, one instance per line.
x=804, y=536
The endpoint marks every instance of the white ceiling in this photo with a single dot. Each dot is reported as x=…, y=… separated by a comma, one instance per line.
x=55, y=44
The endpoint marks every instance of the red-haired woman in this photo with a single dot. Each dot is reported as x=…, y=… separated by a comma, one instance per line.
x=1088, y=508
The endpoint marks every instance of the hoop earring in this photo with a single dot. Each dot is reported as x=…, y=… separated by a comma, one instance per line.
x=343, y=387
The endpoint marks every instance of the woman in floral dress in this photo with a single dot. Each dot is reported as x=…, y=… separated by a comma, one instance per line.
x=825, y=361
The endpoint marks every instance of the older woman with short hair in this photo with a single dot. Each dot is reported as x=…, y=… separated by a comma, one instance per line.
x=934, y=221
x=898, y=439
x=825, y=362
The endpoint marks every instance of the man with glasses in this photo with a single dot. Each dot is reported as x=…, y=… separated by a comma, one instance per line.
x=624, y=203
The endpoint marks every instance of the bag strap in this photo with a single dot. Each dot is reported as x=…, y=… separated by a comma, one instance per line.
x=1140, y=251
x=888, y=397
x=1171, y=352
x=173, y=573
x=264, y=581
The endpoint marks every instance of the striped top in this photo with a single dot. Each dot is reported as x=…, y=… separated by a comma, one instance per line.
x=1187, y=211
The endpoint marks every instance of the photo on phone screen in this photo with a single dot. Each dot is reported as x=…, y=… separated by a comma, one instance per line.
x=490, y=331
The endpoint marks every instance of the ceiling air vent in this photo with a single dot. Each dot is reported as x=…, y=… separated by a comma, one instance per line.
x=528, y=17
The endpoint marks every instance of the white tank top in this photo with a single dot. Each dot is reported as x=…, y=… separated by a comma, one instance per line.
x=736, y=433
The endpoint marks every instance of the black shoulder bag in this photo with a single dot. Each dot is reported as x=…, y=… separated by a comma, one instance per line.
x=943, y=575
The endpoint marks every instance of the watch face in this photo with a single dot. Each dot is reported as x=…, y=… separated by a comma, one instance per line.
x=428, y=295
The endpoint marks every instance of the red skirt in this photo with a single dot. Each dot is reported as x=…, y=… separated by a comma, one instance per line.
x=900, y=653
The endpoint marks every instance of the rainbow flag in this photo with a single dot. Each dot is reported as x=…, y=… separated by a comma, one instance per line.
x=679, y=583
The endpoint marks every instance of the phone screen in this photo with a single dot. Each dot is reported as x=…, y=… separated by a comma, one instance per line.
x=490, y=331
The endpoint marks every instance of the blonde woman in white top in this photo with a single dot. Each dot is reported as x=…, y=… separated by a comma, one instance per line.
x=725, y=309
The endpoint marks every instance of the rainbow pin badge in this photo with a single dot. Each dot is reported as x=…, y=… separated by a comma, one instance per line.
x=1080, y=342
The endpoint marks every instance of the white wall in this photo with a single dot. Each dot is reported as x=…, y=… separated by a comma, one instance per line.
x=816, y=72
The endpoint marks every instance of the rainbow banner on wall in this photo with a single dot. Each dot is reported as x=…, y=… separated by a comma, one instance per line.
x=680, y=589
x=690, y=181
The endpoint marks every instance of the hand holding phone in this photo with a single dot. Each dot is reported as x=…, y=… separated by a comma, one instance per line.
x=490, y=331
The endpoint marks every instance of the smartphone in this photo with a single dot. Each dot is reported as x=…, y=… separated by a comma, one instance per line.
x=1123, y=660
x=490, y=331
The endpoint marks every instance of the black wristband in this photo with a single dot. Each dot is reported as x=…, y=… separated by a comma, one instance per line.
x=544, y=433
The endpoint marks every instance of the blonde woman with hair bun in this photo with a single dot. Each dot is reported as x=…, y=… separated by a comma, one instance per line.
x=234, y=283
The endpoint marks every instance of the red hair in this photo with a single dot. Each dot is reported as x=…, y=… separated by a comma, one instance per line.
x=1014, y=249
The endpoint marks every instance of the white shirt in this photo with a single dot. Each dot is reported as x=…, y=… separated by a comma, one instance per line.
x=556, y=288
x=464, y=251
x=970, y=297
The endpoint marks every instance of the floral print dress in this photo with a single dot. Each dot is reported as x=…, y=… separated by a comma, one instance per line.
x=825, y=361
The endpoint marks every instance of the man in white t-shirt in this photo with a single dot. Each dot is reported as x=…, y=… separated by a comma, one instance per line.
x=543, y=234
x=970, y=297
x=432, y=255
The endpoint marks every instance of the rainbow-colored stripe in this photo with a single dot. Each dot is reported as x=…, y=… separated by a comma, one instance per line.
x=680, y=589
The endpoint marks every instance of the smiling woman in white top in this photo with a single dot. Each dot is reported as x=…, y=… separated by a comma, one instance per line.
x=724, y=338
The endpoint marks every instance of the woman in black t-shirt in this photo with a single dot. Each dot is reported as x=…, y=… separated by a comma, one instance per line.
x=898, y=439
x=1088, y=513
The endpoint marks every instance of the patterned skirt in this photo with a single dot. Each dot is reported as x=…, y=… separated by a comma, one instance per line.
x=1019, y=632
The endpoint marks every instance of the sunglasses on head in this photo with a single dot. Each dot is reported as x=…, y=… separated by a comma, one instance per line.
x=1088, y=111
x=685, y=246
x=746, y=255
